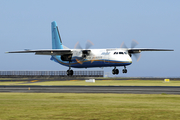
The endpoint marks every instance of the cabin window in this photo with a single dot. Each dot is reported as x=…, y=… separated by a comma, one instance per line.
x=120, y=53
x=115, y=53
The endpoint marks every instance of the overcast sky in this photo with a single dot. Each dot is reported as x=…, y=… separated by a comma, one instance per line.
x=107, y=23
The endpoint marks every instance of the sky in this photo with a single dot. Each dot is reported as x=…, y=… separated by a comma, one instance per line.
x=107, y=23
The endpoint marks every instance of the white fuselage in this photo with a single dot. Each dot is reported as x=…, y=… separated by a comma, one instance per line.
x=99, y=58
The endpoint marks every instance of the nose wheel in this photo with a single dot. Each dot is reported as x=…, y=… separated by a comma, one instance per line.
x=124, y=70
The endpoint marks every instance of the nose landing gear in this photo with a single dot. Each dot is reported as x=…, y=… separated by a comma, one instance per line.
x=116, y=71
x=124, y=70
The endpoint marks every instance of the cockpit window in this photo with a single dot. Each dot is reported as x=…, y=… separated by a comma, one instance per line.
x=120, y=53
x=125, y=52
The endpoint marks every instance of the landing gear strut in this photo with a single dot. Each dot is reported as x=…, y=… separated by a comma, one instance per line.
x=69, y=71
x=115, y=71
x=124, y=70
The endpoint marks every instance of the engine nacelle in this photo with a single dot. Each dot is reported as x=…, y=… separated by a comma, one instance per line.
x=66, y=57
x=85, y=53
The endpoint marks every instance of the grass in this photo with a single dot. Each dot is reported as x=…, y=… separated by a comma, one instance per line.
x=63, y=106
x=14, y=79
x=100, y=82
x=49, y=106
x=11, y=83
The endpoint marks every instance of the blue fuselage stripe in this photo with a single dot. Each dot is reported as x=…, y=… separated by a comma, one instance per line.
x=97, y=63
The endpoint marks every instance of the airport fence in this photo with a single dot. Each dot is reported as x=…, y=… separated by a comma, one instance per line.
x=52, y=73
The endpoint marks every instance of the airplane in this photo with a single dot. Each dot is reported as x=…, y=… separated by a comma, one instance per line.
x=89, y=58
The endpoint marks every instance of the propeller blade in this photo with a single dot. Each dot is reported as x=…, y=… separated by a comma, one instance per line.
x=93, y=59
x=80, y=62
x=123, y=45
x=134, y=43
x=77, y=46
x=137, y=56
x=89, y=44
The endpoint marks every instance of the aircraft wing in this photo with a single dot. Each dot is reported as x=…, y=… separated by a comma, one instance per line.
x=46, y=52
x=138, y=50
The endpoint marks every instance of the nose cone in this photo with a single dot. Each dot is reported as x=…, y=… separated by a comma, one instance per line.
x=129, y=59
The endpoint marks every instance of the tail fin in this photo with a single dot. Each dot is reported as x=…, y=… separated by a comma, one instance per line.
x=56, y=38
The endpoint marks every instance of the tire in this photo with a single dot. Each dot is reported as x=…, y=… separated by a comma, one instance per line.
x=117, y=71
x=71, y=72
x=67, y=72
x=113, y=72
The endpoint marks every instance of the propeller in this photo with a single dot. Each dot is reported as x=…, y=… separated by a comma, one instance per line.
x=80, y=62
x=85, y=52
x=123, y=45
x=134, y=43
x=77, y=46
x=137, y=56
x=88, y=45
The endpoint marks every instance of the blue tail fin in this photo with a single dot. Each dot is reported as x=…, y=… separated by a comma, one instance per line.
x=56, y=38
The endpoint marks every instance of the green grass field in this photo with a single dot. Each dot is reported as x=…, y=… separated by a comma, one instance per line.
x=100, y=82
x=65, y=106
x=61, y=106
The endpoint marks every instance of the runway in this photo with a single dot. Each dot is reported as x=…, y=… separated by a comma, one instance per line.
x=93, y=89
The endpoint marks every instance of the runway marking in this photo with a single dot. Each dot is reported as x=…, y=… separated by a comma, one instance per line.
x=74, y=80
x=34, y=81
x=106, y=80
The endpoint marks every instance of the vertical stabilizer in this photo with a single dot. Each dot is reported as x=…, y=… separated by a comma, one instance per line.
x=56, y=38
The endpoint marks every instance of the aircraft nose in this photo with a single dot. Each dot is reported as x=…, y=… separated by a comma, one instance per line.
x=129, y=59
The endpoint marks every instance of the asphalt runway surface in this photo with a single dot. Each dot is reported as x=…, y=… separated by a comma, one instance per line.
x=93, y=89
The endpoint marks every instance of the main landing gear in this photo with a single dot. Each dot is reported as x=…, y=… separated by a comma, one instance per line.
x=69, y=71
x=116, y=71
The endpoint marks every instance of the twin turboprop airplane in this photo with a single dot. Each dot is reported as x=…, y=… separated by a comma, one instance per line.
x=88, y=58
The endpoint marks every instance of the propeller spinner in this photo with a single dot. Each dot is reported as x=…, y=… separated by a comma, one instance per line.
x=136, y=54
x=85, y=52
